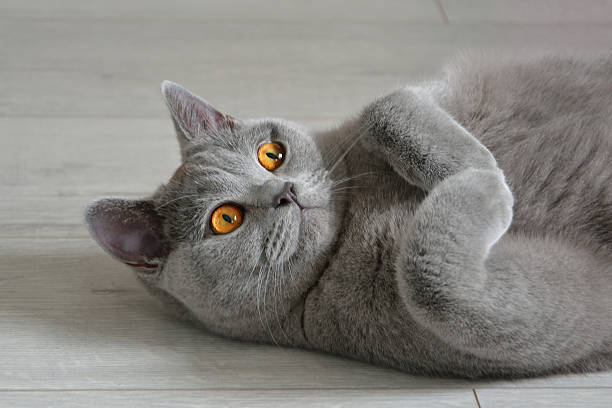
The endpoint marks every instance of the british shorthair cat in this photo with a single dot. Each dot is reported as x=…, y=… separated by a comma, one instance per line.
x=461, y=226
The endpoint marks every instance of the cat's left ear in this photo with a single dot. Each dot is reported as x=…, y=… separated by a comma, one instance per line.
x=193, y=117
x=129, y=230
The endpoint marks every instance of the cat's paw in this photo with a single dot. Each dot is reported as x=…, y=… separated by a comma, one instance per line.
x=387, y=121
x=420, y=140
x=489, y=198
x=478, y=202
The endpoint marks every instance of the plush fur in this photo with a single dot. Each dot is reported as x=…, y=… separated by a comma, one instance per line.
x=461, y=226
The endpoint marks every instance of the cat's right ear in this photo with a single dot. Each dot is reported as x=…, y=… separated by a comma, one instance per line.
x=193, y=117
x=129, y=230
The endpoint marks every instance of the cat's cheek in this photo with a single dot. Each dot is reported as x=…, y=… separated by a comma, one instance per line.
x=174, y=273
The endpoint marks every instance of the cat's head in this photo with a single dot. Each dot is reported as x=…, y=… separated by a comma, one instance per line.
x=242, y=229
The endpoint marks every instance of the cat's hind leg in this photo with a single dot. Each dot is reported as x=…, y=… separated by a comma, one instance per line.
x=530, y=303
x=527, y=302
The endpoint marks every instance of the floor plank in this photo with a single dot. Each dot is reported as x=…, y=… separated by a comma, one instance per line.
x=528, y=11
x=599, y=379
x=73, y=157
x=73, y=318
x=546, y=398
x=314, y=70
x=250, y=398
x=44, y=217
x=63, y=158
x=248, y=10
x=81, y=116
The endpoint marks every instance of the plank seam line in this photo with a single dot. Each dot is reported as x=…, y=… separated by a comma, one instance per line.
x=247, y=389
x=476, y=396
x=442, y=12
x=223, y=389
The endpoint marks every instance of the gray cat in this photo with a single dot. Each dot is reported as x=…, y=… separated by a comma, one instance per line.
x=458, y=227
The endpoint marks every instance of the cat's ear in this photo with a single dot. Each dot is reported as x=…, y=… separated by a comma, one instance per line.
x=129, y=230
x=193, y=117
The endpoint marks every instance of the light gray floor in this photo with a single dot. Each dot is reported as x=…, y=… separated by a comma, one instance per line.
x=81, y=116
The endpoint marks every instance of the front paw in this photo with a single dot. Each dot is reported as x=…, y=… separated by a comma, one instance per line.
x=420, y=140
x=386, y=121
x=484, y=200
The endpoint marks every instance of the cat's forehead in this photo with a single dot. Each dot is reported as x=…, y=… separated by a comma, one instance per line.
x=273, y=126
x=241, y=140
x=226, y=161
x=213, y=178
x=270, y=130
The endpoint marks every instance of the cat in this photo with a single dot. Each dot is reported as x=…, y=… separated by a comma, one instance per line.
x=458, y=227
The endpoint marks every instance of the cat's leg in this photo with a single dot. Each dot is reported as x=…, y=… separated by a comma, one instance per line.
x=526, y=302
x=529, y=303
x=419, y=139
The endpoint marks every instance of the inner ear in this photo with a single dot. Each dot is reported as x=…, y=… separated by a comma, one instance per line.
x=129, y=230
x=193, y=117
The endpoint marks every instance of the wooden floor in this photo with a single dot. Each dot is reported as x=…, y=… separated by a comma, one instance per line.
x=81, y=116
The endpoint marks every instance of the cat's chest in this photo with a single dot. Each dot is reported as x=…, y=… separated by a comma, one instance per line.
x=357, y=298
x=356, y=301
x=376, y=221
x=380, y=204
x=377, y=216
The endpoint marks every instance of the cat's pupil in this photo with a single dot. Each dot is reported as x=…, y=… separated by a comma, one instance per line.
x=272, y=156
x=227, y=218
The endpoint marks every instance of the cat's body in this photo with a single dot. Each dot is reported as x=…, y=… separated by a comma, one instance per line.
x=413, y=262
x=550, y=131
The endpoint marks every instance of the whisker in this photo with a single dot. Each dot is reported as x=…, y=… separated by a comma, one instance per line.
x=339, y=147
x=277, y=285
x=259, y=279
x=350, y=178
x=345, y=188
x=353, y=143
x=337, y=150
x=264, y=306
x=176, y=199
x=248, y=282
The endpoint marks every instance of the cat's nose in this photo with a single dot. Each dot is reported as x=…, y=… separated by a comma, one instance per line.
x=287, y=196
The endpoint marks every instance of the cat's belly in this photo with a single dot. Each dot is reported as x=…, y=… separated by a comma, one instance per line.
x=554, y=146
x=355, y=309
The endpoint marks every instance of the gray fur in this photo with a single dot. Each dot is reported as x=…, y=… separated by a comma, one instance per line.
x=459, y=227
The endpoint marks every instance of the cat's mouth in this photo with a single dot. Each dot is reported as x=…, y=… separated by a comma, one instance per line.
x=307, y=197
x=289, y=197
x=296, y=205
x=304, y=210
x=299, y=204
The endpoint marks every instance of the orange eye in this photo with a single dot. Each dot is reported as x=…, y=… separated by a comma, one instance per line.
x=225, y=219
x=271, y=155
